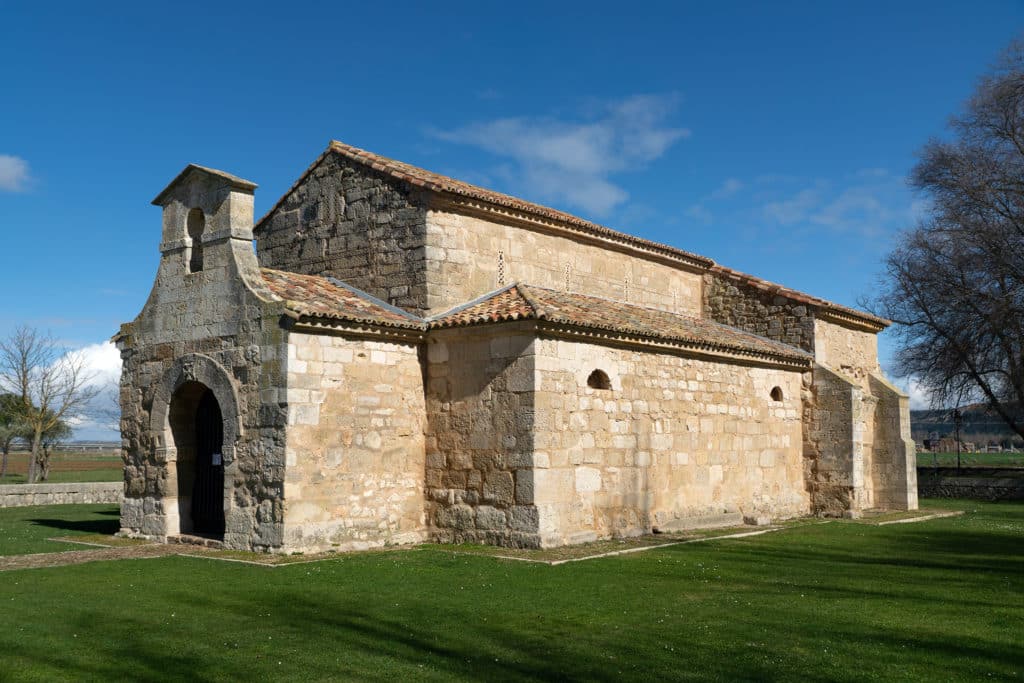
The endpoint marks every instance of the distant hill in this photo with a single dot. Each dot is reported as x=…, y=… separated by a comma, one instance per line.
x=980, y=425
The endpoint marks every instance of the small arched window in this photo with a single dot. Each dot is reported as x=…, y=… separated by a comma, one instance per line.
x=598, y=379
x=777, y=394
x=196, y=224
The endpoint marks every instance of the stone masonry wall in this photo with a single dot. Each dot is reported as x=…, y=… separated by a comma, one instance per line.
x=894, y=457
x=468, y=256
x=229, y=328
x=757, y=311
x=21, y=495
x=882, y=460
x=852, y=353
x=355, y=455
x=675, y=438
x=348, y=222
x=833, y=443
x=210, y=314
x=480, y=436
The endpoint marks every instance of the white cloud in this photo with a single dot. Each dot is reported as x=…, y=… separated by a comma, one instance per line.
x=727, y=189
x=794, y=209
x=102, y=363
x=700, y=213
x=868, y=202
x=573, y=160
x=920, y=398
x=14, y=175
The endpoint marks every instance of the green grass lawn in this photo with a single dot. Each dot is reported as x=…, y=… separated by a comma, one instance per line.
x=25, y=530
x=971, y=459
x=936, y=600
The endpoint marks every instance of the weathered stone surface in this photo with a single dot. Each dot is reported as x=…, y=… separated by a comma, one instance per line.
x=355, y=435
x=758, y=311
x=353, y=224
x=22, y=495
x=355, y=444
x=674, y=438
x=469, y=256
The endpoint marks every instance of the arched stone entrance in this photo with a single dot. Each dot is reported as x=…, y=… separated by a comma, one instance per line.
x=196, y=427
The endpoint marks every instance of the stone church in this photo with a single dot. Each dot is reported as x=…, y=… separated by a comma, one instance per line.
x=406, y=357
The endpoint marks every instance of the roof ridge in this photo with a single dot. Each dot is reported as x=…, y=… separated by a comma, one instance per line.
x=302, y=299
x=371, y=298
x=781, y=347
x=532, y=302
x=436, y=182
x=469, y=304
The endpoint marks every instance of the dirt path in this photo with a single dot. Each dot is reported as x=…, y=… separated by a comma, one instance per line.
x=39, y=560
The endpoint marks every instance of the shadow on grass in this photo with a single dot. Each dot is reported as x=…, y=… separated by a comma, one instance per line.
x=88, y=526
x=331, y=637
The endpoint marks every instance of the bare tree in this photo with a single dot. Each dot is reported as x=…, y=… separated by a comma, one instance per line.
x=52, y=384
x=12, y=426
x=955, y=283
x=58, y=433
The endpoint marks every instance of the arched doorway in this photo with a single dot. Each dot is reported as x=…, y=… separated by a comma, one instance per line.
x=197, y=428
x=208, y=488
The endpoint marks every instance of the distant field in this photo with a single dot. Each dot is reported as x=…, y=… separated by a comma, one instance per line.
x=971, y=459
x=68, y=466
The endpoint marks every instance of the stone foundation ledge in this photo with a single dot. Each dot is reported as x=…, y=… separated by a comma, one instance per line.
x=23, y=495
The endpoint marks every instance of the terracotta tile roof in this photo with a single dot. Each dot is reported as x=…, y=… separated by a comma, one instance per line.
x=332, y=300
x=502, y=305
x=445, y=185
x=324, y=297
x=519, y=301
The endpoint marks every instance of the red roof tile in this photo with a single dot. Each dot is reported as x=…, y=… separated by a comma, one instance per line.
x=330, y=299
x=501, y=306
x=323, y=297
x=442, y=184
x=520, y=301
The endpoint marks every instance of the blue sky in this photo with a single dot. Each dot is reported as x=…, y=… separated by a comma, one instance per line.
x=772, y=137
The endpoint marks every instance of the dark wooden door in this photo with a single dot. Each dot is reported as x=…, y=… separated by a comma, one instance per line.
x=208, y=491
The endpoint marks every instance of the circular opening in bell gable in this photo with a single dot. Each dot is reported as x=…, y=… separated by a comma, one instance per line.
x=777, y=394
x=598, y=379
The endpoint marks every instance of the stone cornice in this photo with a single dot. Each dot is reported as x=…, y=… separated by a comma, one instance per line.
x=864, y=324
x=710, y=352
x=319, y=325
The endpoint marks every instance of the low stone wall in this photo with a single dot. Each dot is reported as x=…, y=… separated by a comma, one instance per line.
x=21, y=495
x=973, y=483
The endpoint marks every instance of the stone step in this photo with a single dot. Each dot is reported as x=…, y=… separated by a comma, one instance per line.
x=188, y=539
x=716, y=521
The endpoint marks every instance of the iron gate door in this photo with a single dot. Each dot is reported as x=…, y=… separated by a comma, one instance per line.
x=208, y=491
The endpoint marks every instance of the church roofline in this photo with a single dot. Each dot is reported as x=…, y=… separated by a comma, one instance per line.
x=465, y=196
x=319, y=303
x=328, y=299
x=827, y=309
x=230, y=180
x=599, y=318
